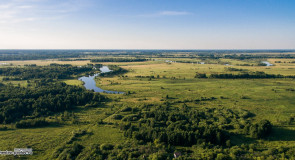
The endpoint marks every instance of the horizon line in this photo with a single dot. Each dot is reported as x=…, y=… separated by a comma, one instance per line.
x=159, y=49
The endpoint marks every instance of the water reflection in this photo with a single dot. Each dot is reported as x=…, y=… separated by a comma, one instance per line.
x=90, y=84
x=267, y=63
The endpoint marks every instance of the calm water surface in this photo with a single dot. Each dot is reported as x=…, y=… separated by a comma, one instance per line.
x=267, y=63
x=89, y=81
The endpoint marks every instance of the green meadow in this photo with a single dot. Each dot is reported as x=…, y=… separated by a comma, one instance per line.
x=156, y=83
x=267, y=98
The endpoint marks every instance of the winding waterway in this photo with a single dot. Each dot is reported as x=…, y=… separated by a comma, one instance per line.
x=267, y=63
x=89, y=82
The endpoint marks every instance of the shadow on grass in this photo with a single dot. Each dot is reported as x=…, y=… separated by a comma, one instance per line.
x=278, y=134
x=54, y=125
x=239, y=139
x=49, y=125
x=282, y=134
x=78, y=109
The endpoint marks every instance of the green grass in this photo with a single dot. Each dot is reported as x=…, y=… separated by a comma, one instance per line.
x=266, y=98
x=74, y=82
x=16, y=83
x=44, y=141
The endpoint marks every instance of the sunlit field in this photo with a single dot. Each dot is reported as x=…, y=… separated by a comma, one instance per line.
x=155, y=83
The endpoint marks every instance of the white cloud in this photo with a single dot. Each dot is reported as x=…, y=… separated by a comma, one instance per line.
x=5, y=6
x=18, y=11
x=25, y=7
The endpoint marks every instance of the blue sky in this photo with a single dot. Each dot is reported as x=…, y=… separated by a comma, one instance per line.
x=147, y=24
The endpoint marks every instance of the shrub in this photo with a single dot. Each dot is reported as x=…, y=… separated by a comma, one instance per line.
x=31, y=123
x=126, y=109
x=106, y=147
x=117, y=116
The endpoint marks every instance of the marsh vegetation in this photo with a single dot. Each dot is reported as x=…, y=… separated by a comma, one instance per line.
x=175, y=108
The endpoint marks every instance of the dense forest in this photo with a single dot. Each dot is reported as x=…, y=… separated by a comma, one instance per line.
x=44, y=94
x=45, y=98
x=53, y=71
x=189, y=127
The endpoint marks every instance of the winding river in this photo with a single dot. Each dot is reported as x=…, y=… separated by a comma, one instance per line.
x=267, y=63
x=89, y=82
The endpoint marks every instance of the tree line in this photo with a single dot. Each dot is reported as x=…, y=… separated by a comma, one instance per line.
x=184, y=127
x=119, y=60
x=20, y=55
x=250, y=75
x=53, y=71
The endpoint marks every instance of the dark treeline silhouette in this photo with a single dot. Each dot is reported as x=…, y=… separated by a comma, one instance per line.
x=75, y=59
x=234, y=69
x=119, y=60
x=7, y=55
x=31, y=123
x=53, y=71
x=251, y=75
x=284, y=62
x=258, y=56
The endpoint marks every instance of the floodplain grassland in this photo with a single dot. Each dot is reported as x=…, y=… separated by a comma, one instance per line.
x=46, y=140
x=158, y=82
x=263, y=96
x=74, y=82
x=266, y=98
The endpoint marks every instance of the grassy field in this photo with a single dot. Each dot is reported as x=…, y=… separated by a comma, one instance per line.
x=74, y=82
x=266, y=98
x=46, y=140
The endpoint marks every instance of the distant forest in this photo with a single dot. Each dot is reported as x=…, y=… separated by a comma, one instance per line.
x=54, y=71
x=9, y=55
x=250, y=75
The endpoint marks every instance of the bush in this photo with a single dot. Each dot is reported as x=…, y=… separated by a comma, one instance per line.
x=126, y=109
x=70, y=152
x=31, y=123
x=117, y=116
x=106, y=147
x=3, y=128
x=132, y=117
x=261, y=129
